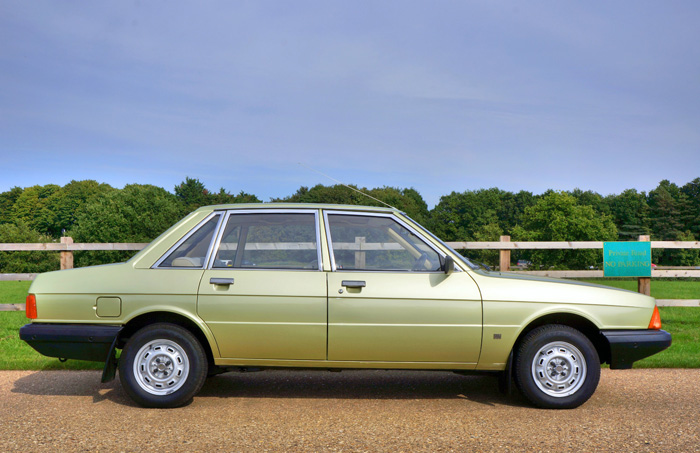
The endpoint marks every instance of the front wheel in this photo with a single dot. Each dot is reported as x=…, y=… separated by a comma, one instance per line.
x=162, y=365
x=557, y=367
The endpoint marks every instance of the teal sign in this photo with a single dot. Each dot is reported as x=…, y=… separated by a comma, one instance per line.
x=627, y=259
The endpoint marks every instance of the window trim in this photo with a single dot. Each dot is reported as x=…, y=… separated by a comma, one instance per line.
x=390, y=215
x=230, y=212
x=194, y=230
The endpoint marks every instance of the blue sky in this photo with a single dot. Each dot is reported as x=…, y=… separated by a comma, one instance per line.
x=441, y=96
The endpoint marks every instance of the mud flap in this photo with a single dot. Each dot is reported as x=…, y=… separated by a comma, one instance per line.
x=110, y=369
x=505, y=377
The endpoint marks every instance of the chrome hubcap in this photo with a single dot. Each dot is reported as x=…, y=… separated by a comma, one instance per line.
x=161, y=367
x=559, y=369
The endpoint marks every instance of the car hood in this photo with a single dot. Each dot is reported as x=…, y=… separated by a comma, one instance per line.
x=508, y=286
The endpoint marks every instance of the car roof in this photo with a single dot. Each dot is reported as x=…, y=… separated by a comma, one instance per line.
x=327, y=206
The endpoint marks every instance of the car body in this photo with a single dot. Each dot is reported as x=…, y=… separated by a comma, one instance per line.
x=330, y=287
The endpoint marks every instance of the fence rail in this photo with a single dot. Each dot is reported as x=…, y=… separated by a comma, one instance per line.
x=506, y=247
x=69, y=247
x=562, y=245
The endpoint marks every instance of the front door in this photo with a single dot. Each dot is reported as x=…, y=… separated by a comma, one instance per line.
x=389, y=301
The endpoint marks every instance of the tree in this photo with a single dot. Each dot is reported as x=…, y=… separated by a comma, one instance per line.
x=692, y=192
x=223, y=197
x=407, y=200
x=459, y=216
x=513, y=207
x=558, y=217
x=25, y=262
x=665, y=206
x=137, y=213
x=593, y=199
x=337, y=194
x=481, y=215
x=59, y=211
x=32, y=200
x=7, y=202
x=192, y=194
x=630, y=213
x=672, y=216
x=682, y=257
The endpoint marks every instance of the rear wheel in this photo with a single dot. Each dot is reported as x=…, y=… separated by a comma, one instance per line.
x=162, y=365
x=557, y=367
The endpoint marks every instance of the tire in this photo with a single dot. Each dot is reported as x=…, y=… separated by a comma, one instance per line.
x=162, y=365
x=556, y=367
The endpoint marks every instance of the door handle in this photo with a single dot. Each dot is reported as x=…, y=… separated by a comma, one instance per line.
x=221, y=281
x=354, y=283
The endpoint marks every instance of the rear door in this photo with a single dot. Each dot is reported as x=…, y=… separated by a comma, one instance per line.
x=264, y=294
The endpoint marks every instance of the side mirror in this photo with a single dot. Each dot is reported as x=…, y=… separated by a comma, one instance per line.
x=449, y=265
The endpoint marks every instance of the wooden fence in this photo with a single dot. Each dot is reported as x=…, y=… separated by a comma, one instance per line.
x=66, y=247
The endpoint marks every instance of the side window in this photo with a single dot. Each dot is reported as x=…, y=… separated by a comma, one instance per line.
x=378, y=243
x=269, y=241
x=192, y=252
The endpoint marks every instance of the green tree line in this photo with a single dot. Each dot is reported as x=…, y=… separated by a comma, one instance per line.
x=90, y=211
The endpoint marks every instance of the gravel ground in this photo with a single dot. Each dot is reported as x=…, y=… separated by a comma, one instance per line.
x=634, y=410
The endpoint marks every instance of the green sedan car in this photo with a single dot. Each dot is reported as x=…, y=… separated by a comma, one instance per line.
x=235, y=287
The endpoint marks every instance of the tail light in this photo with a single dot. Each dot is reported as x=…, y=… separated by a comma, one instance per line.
x=31, y=307
x=655, y=322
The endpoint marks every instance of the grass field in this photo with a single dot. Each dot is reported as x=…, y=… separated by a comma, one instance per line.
x=661, y=288
x=682, y=322
x=15, y=354
x=13, y=292
x=684, y=325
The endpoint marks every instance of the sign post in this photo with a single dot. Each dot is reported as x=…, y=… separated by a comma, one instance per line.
x=644, y=283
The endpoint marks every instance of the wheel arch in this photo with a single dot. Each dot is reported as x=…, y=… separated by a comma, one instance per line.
x=137, y=323
x=576, y=321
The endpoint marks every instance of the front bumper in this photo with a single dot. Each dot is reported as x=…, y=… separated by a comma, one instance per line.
x=71, y=341
x=628, y=346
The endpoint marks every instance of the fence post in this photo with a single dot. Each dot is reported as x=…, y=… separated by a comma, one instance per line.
x=644, y=283
x=360, y=255
x=66, y=257
x=505, y=256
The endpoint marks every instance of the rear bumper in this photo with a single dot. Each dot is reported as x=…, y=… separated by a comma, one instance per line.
x=71, y=341
x=628, y=346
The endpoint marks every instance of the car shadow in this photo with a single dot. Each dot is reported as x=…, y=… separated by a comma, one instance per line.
x=302, y=384
x=360, y=384
x=72, y=383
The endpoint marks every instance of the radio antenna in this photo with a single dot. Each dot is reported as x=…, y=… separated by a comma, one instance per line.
x=345, y=185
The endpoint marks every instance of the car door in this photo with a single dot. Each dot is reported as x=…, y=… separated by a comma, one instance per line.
x=264, y=294
x=389, y=300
